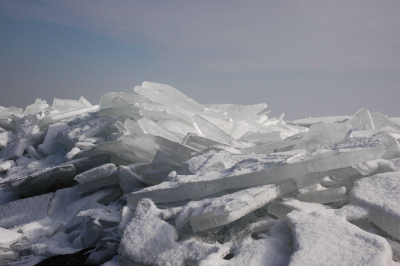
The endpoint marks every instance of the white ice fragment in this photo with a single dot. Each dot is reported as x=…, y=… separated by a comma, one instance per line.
x=8, y=237
x=6, y=138
x=381, y=195
x=14, y=150
x=381, y=121
x=50, y=144
x=378, y=166
x=73, y=152
x=6, y=112
x=96, y=173
x=324, y=196
x=323, y=238
x=4, y=166
x=24, y=211
x=322, y=134
x=28, y=125
x=39, y=106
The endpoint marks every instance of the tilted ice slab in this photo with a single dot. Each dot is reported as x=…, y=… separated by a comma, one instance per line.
x=381, y=195
x=187, y=187
x=24, y=211
x=213, y=212
x=96, y=173
x=324, y=238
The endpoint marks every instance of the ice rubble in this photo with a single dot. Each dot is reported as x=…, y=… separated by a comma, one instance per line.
x=155, y=178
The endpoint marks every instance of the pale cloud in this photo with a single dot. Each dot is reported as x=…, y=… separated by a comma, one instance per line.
x=240, y=36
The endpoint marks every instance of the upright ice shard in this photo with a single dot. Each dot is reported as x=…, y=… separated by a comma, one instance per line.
x=362, y=120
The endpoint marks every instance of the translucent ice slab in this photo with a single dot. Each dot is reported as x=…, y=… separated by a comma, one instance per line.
x=66, y=105
x=322, y=134
x=58, y=117
x=151, y=127
x=211, y=131
x=186, y=187
x=229, y=208
x=362, y=120
x=168, y=96
x=324, y=196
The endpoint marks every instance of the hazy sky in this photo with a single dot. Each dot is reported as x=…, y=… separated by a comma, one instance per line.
x=300, y=57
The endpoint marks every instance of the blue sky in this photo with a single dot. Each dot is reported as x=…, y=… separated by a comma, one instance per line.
x=303, y=58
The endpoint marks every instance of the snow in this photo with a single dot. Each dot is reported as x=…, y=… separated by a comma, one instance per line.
x=380, y=194
x=322, y=238
x=156, y=178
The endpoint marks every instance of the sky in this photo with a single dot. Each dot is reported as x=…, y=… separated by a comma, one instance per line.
x=302, y=57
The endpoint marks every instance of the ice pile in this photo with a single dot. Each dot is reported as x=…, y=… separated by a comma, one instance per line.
x=155, y=178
